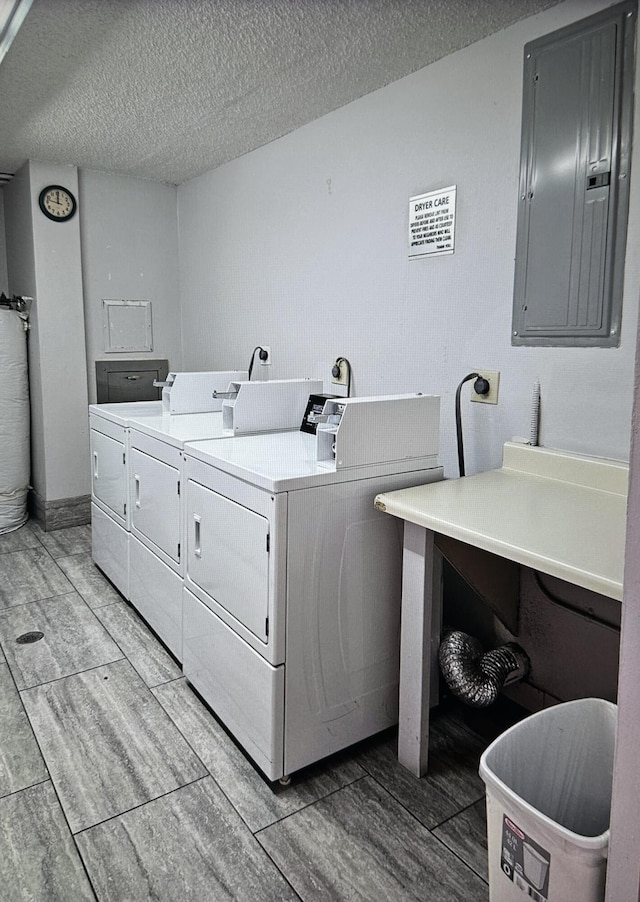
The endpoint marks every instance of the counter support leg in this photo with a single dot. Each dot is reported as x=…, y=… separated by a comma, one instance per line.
x=419, y=641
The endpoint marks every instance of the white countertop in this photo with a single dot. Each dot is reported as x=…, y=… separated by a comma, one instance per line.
x=560, y=513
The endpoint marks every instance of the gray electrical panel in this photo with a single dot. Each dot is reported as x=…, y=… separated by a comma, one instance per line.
x=574, y=182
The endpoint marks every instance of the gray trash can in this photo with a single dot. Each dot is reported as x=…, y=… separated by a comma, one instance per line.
x=548, y=782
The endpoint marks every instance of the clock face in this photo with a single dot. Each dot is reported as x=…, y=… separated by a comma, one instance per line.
x=57, y=203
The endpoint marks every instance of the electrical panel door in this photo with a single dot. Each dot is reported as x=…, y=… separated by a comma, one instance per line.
x=574, y=183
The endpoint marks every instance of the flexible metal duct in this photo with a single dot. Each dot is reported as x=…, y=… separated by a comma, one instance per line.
x=475, y=677
x=15, y=460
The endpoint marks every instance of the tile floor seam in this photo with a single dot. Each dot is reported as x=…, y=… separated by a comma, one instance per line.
x=278, y=869
x=400, y=805
x=460, y=859
x=94, y=889
x=162, y=683
x=195, y=753
x=111, y=604
x=17, y=530
x=73, y=839
x=186, y=739
x=64, y=816
x=125, y=655
x=22, y=604
x=251, y=763
x=15, y=792
x=222, y=726
x=59, y=573
x=55, y=560
x=452, y=816
x=399, y=801
x=162, y=795
x=99, y=572
x=78, y=592
x=206, y=776
x=33, y=732
x=311, y=804
x=75, y=673
x=13, y=550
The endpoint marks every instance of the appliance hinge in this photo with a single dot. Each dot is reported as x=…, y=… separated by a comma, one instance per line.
x=268, y=543
x=178, y=487
x=266, y=627
x=178, y=550
x=124, y=458
x=125, y=508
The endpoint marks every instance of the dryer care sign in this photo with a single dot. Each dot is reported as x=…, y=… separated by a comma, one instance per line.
x=524, y=862
x=432, y=220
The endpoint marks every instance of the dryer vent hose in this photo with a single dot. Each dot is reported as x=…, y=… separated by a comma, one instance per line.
x=475, y=677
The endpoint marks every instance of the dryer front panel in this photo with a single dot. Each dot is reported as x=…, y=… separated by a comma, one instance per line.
x=228, y=556
x=110, y=548
x=156, y=593
x=242, y=689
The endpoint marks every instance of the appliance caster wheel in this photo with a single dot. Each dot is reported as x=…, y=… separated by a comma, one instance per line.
x=285, y=780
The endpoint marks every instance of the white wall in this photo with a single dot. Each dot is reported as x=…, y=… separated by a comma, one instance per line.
x=43, y=259
x=4, y=279
x=302, y=245
x=129, y=250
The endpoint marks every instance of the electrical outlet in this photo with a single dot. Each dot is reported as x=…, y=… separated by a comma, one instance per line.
x=494, y=382
x=342, y=377
x=266, y=362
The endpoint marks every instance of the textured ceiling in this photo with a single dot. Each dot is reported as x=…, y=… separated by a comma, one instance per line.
x=167, y=89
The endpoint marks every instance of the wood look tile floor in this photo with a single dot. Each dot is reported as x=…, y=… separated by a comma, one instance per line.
x=117, y=782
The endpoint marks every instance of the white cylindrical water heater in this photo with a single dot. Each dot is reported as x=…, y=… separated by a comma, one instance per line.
x=15, y=458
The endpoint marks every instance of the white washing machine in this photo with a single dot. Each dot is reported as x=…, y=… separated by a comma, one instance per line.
x=156, y=559
x=291, y=605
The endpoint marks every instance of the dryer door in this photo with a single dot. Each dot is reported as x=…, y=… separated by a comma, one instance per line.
x=228, y=555
x=155, y=502
x=108, y=470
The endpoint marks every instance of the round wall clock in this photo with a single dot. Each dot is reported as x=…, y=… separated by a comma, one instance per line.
x=57, y=203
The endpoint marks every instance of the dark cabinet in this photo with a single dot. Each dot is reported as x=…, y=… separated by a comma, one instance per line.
x=120, y=381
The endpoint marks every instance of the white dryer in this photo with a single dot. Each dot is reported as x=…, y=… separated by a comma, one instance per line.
x=291, y=605
x=110, y=523
x=156, y=562
x=109, y=430
x=155, y=474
